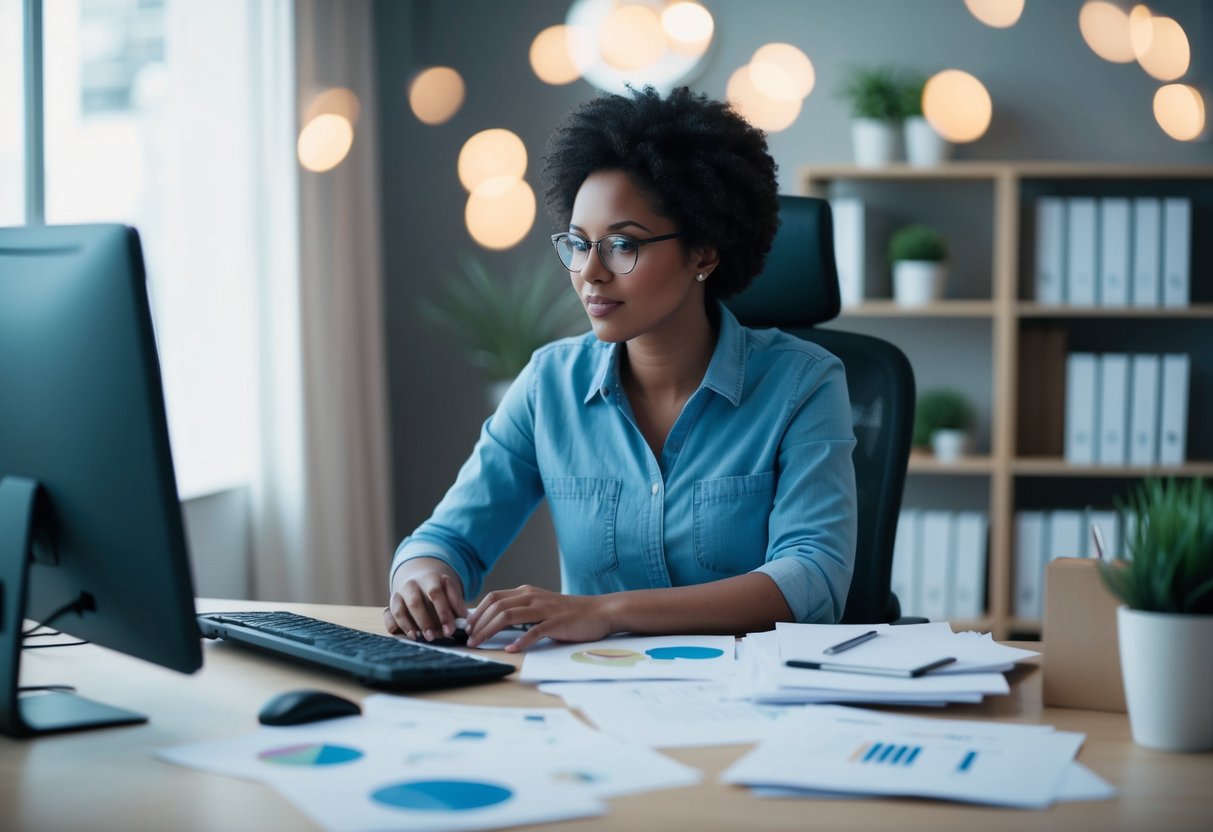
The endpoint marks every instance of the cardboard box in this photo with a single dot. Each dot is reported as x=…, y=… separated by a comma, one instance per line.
x=1081, y=654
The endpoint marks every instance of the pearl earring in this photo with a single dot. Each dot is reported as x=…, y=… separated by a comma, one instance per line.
x=701, y=277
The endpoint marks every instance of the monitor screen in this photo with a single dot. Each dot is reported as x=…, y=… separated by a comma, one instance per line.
x=91, y=535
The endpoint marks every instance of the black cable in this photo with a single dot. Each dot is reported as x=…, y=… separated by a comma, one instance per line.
x=78, y=605
x=31, y=688
x=56, y=644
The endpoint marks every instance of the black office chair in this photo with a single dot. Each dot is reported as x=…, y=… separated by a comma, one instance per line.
x=798, y=290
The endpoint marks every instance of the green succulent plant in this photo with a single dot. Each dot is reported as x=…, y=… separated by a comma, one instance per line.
x=940, y=410
x=499, y=321
x=1170, y=568
x=910, y=99
x=917, y=242
x=873, y=92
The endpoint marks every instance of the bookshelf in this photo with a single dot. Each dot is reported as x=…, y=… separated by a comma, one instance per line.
x=986, y=208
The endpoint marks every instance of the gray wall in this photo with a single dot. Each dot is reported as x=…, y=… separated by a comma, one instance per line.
x=1053, y=99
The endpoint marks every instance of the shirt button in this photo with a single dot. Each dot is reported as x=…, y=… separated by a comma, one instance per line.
x=655, y=488
x=606, y=391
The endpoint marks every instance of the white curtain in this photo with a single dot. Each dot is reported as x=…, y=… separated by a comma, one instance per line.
x=321, y=499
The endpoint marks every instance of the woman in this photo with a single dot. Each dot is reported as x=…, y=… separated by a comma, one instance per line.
x=698, y=473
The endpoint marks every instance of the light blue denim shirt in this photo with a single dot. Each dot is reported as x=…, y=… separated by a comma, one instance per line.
x=755, y=476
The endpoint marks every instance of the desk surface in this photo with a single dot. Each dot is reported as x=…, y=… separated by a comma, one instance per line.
x=108, y=779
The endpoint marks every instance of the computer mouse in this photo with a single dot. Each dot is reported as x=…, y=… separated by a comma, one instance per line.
x=298, y=707
x=456, y=639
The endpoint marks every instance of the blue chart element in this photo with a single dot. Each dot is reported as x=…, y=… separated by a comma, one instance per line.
x=684, y=652
x=967, y=761
x=310, y=754
x=442, y=795
x=892, y=754
x=469, y=735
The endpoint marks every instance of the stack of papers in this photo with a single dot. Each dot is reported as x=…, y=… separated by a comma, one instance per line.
x=832, y=751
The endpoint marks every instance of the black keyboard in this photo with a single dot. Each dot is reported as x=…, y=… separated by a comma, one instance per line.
x=376, y=660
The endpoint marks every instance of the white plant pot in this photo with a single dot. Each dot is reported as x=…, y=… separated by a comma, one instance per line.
x=918, y=282
x=875, y=142
x=949, y=445
x=924, y=147
x=1167, y=662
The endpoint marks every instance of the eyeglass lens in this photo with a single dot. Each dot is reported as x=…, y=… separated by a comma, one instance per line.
x=617, y=252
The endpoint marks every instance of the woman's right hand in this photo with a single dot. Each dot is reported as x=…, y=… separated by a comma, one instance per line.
x=426, y=600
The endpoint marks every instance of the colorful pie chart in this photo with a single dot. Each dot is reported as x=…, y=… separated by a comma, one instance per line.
x=311, y=754
x=442, y=795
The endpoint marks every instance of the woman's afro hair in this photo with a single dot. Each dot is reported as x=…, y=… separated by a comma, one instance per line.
x=700, y=163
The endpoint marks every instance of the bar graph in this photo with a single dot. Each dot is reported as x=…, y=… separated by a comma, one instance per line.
x=886, y=753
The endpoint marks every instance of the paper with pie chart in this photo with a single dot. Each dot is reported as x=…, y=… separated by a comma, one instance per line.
x=632, y=658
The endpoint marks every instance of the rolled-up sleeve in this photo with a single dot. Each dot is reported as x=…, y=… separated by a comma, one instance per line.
x=812, y=527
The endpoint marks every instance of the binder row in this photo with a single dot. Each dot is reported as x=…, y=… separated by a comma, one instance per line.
x=939, y=563
x=1126, y=409
x=1113, y=251
x=1041, y=536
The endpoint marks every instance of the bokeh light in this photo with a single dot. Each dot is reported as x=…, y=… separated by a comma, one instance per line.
x=551, y=56
x=1180, y=111
x=436, y=95
x=689, y=27
x=1167, y=54
x=957, y=105
x=491, y=153
x=324, y=142
x=500, y=212
x=782, y=72
x=631, y=37
x=770, y=114
x=337, y=101
x=1105, y=28
x=1001, y=14
x=1141, y=30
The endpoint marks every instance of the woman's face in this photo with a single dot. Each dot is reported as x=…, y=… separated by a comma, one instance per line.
x=660, y=292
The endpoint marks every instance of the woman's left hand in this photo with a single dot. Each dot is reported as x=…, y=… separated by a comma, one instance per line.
x=550, y=614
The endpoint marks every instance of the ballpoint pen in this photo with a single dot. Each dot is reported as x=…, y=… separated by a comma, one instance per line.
x=849, y=643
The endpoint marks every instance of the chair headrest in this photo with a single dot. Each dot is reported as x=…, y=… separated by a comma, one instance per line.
x=799, y=284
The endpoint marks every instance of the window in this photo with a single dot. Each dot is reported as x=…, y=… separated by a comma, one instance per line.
x=12, y=121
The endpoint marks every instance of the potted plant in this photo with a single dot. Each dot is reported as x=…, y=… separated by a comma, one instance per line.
x=498, y=322
x=1166, y=622
x=942, y=419
x=919, y=257
x=875, y=100
x=924, y=147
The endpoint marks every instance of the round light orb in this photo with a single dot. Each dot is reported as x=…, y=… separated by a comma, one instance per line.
x=551, y=56
x=631, y=37
x=500, y=212
x=769, y=114
x=1168, y=55
x=688, y=27
x=491, y=153
x=1180, y=111
x=957, y=105
x=436, y=95
x=1001, y=14
x=1105, y=28
x=1141, y=30
x=324, y=142
x=782, y=72
x=337, y=101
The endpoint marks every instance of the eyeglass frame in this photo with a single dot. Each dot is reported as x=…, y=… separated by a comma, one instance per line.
x=596, y=245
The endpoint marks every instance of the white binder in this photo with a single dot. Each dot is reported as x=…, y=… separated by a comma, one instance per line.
x=1030, y=554
x=1173, y=413
x=1081, y=250
x=1067, y=535
x=1081, y=425
x=849, y=248
x=1147, y=250
x=1176, y=251
x=937, y=560
x=1109, y=528
x=1114, y=249
x=1143, y=416
x=968, y=585
x=1113, y=409
x=1050, y=250
x=906, y=562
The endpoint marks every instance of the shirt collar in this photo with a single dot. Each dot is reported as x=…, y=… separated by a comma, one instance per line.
x=726, y=371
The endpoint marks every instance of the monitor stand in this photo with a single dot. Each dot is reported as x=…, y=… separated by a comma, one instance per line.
x=23, y=541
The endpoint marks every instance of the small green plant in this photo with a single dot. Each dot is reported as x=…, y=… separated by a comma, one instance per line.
x=940, y=410
x=873, y=93
x=500, y=321
x=1171, y=565
x=917, y=242
x=910, y=101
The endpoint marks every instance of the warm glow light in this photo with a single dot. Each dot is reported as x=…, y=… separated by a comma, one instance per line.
x=336, y=101
x=491, y=153
x=1105, y=28
x=957, y=105
x=1180, y=111
x=551, y=56
x=689, y=26
x=768, y=114
x=1141, y=32
x=1001, y=14
x=436, y=94
x=631, y=37
x=782, y=72
x=1168, y=54
x=500, y=212
x=324, y=142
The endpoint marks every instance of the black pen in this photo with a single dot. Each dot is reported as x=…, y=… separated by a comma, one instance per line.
x=912, y=673
x=849, y=643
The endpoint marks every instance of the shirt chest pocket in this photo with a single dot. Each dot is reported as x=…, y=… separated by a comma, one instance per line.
x=584, y=511
x=730, y=522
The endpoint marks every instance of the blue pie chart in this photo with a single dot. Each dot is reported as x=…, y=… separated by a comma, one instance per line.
x=442, y=795
x=684, y=652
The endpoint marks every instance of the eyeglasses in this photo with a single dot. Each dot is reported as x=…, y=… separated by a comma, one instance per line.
x=619, y=257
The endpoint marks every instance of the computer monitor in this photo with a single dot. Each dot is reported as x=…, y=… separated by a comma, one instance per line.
x=91, y=535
